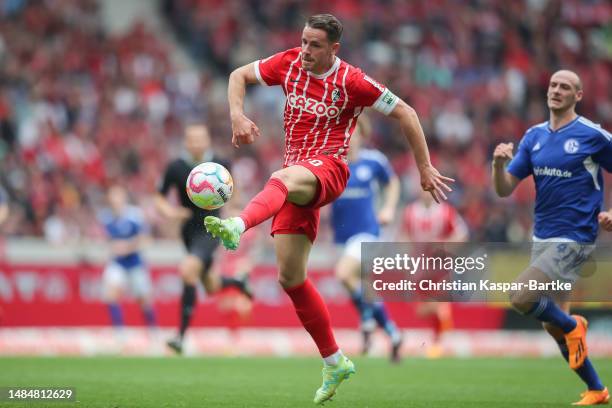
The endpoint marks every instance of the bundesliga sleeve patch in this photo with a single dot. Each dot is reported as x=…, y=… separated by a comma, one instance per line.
x=386, y=102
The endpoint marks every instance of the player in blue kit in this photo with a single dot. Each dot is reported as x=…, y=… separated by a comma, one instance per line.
x=565, y=156
x=125, y=228
x=355, y=220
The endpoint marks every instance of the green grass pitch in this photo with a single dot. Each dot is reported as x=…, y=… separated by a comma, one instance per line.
x=291, y=382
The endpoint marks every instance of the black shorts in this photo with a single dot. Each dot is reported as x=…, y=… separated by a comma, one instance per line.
x=199, y=243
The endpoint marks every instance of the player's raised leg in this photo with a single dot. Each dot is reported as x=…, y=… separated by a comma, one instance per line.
x=292, y=252
x=194, y=267
x=214, y=282
x=295, y=184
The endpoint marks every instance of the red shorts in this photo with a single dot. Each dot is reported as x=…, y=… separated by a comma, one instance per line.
x=332, y=175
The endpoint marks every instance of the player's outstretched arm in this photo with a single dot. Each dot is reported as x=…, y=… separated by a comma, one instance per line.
x=244, y=129
x=605, y=219
x=170, y=211
x=503, y=181
x=431, y=179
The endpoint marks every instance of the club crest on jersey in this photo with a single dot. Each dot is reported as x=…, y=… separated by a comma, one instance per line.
x=312, y=106
x=571, y=146
x=335, y=95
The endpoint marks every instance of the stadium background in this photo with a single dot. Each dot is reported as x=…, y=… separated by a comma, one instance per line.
x=93, y=93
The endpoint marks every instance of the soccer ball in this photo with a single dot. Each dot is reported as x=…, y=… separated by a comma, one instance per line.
x=209, y=185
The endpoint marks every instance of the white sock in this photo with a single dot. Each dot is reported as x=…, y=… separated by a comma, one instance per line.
x=240, y=223
x=334, y=359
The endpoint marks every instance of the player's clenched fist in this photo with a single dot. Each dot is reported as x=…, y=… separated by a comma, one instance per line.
x=244, y=130
x=502, y=153
x=605, y=220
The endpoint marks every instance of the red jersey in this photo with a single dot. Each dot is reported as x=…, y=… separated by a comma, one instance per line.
x=436, y=223
x=321, y=110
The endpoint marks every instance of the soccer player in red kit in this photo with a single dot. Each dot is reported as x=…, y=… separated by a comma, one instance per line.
x=423, y=221
x=325, y=95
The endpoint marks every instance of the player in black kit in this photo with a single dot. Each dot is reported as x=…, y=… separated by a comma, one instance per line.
x=200, y=245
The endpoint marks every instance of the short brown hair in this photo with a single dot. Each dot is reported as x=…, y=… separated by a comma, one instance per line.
x=328, y=23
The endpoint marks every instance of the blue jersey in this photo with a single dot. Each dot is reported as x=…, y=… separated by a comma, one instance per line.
x=353, y=212
x=128, y=225
x=566, y=166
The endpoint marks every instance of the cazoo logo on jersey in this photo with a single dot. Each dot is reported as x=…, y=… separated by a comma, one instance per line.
x=312, y=106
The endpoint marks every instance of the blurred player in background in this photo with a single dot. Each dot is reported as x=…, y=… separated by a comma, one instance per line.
x=126, y=230
x=4, y=205
x=564, y=155
x=355, y=220
x=424, y=221
x=325, y=95
x=200, y=246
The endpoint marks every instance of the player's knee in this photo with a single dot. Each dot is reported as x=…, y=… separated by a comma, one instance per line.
x=211, y=282
x=283, y=176
x=190, y=271
x=144, y=300
x=112, y=293
x=341, y=274
x=347, y=279
x=290, y=180
x=290, y=280
x=189, y=275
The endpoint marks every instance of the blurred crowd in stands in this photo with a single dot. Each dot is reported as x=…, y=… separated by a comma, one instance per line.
x=81, y=109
